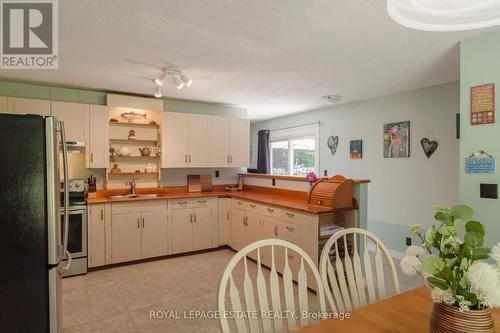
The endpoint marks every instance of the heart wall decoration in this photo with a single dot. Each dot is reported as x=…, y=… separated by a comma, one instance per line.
x=428, y=146
x=333, y=143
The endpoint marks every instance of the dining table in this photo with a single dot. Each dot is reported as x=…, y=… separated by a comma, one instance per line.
x=409, y=311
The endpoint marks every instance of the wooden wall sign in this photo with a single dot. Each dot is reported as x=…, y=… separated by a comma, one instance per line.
x=482, y=104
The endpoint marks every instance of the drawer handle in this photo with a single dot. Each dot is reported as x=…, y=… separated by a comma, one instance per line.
x=239, y=202
x=227, y=215
x=202, y=201
x=181, y=202
x=276, y=230
x=270, y=210
x=253, y=206
x=290, y=228
x=290, y=214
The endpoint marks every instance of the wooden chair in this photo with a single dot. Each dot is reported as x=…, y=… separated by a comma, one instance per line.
x=261, y=324
x=350, y=282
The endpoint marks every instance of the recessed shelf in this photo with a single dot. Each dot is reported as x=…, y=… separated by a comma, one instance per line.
x=114, y=123
x=134, y=141
x=134, y=173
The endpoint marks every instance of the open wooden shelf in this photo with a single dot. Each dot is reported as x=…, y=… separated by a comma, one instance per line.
x=120, y=123
x=134, y=173
x=153, y=157
x=134, y=141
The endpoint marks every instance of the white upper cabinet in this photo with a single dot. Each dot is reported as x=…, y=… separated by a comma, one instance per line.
x=97, y=137
x=197, y=140
x=175, y=140
x=74, y=117
x=219, y=141
x=239, y=142
x=28, y=106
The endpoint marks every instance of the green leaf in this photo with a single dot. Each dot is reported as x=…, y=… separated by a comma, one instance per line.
x=480, y=253
x=430, y=237
x=444, y=218
x=437, y=282
x=452, y=262
x=441, y=208
x=448, y=274
x=433, y=265
x=464, y=265
x=462, y=212
x=473, y=239
x=474, y=226
x=448, y=230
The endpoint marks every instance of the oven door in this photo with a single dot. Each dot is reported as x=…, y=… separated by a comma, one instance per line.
x=77, y=232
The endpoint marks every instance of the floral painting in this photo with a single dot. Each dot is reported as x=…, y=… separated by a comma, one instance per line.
x=397, y=140
x=356, y=149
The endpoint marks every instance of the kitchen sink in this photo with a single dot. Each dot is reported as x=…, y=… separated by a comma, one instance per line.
x=132, y=196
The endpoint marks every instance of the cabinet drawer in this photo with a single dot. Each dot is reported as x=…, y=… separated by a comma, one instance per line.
x=288, y=230
x=142, y=206
x=238, y=204
x=180, y=203
x=289, y=216
x=270, y=211
x=201, y=202
x=252, y=207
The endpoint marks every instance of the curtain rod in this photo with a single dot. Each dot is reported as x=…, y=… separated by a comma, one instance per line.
x=290, y=127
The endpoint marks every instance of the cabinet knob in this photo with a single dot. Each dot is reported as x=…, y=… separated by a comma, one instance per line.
x=290, y=214
x=270, y=210
x=290, y=229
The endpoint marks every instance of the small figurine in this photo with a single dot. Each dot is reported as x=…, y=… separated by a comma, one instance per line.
x=131, y=135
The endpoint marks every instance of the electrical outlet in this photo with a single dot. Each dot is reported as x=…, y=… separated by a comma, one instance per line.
x=274, y=181
x=216, y=173
x=325, y=173
x=408, y=241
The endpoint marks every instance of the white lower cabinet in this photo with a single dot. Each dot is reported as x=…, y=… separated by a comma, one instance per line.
x=224, y=221
x=126, y=237
x=238, y=228
x=154, y=234
x=96, y=243
x=182, y=229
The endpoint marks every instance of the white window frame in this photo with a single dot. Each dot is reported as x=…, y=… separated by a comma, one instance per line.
x=295, y=133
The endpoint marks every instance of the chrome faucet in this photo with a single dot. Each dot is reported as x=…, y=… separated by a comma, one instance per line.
x=132, y=186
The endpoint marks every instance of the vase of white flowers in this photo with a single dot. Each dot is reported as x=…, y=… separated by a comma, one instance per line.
x=464, y=286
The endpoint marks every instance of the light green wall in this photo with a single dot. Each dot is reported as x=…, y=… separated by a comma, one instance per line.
x=39, y=91
x=480, y=64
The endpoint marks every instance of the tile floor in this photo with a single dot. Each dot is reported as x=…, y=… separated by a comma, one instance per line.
x=120, y=299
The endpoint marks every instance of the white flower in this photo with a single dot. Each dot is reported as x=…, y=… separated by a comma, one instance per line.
x=410, y=265
x=415, y=229
x=442, y=296
x=485, y=283
x=416, y=251
x=495, y=253
x=463, y=304
x=452, y=245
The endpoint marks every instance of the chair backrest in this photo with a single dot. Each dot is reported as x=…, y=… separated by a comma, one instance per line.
x=267, y=323
x=348, y=275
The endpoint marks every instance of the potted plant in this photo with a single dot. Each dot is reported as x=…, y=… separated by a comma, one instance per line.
x=464, y=286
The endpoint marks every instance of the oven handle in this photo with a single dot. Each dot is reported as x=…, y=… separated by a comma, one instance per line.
x=65, y=254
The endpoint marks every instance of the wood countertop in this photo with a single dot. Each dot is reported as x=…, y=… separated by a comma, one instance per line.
x=281, y=198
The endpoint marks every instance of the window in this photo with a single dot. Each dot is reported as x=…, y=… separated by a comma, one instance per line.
x=294, y=151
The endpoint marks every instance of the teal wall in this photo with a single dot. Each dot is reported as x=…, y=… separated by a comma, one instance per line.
x=480, y=64
x=39, y=91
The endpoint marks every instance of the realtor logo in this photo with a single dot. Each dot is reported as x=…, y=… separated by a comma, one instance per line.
x=29, y=38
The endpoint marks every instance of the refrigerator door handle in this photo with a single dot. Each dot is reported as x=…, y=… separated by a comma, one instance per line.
x=65, y=254
x=66, y=267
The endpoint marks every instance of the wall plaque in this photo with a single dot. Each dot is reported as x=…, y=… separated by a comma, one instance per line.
x=480, y=162
x=482, y=104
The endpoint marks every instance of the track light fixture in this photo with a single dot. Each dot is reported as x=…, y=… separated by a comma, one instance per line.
x=178, y=77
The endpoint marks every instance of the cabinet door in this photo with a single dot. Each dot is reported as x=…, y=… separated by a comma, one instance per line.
x=268, y=230
x=154, y=234
x=198, y=140
x=126, y=237
x=176, y=139
x=202, y=228
x=224, y=221
x=182, y=231
x=74, y=116
x=4, y=104
x=98, y=137
x=238, y=228
x=252, y=231
x=96, y=236
x=30, y=106
x=239, y=142
x=219, y=141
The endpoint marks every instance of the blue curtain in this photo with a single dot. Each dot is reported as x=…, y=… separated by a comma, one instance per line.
x=263, y=153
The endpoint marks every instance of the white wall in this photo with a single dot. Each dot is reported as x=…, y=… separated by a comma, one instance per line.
x=401, y=190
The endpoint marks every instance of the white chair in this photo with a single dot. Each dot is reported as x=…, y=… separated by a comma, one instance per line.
x=351, y=282
x=261, y=324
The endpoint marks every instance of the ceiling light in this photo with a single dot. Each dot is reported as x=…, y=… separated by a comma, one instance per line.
x=159, y=81
x=158, y=91
x=331, y=99
x=178, y=82
x=445, y=15
x=185, y=79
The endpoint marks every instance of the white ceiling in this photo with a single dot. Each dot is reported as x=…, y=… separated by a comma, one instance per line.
x=273, y=57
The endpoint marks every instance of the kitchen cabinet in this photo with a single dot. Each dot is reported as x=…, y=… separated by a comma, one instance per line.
x=175, y=140
x=28, y=106
x=96, y=218
x=74, y=117
x=3, y=104
x=219, y=138
x=239, y=142
x=197, y=140
x=224, y=221
x=154, y=234
x=97, y=148
x=192, y=224
x=269, y=230
x=238, y=228
x=126, y=237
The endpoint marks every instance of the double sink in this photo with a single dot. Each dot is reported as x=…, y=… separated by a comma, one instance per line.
x=132, y=196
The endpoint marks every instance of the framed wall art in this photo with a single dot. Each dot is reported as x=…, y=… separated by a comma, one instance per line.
x=397, y=140
x=356, y=149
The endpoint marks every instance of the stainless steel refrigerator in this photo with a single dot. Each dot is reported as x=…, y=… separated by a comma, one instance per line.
x=31, y=244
